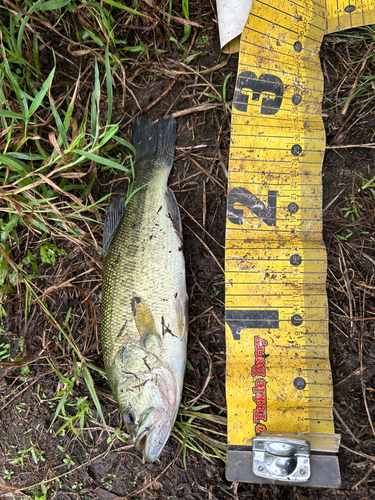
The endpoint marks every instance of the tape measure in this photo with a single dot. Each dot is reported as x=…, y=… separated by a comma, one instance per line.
x=344, y=14
x=340, y=15
x=279, y=384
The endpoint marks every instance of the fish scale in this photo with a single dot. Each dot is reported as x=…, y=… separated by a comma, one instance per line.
x=128, y=262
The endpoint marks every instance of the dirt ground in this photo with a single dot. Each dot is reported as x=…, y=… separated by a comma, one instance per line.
x=86, y=466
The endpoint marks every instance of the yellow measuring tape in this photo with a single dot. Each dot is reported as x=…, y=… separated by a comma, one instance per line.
x=279, y=381
x=340, y=15
x=344, y=14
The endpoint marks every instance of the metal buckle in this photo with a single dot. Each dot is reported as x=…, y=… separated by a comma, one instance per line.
x=282, y=459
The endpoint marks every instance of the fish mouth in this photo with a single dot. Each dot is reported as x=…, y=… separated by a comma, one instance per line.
x=153, y=432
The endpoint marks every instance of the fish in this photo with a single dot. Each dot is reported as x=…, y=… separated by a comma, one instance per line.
x=144, y=305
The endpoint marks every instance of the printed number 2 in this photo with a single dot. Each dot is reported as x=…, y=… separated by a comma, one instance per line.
x=244, y=197
x=270, y=84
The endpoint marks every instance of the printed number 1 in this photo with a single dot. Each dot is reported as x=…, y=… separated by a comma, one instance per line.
x=238, y=320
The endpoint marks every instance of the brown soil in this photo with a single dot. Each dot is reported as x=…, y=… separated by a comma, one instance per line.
x=114, y=471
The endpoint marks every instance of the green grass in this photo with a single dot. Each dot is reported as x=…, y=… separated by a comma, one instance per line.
x=46, y=185
x=51, y=154
x=356, y=209
x=192, y=433
x=354, y=49
x=56, y=144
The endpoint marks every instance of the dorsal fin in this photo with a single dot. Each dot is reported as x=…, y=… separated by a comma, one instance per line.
x=115, y=215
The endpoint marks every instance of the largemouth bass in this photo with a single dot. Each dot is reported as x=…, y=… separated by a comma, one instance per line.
x=144, y=301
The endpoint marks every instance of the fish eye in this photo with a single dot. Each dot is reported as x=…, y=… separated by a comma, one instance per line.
x=128, y=418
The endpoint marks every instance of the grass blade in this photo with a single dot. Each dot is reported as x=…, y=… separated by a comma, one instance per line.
x=123, y=7
x=14, y=85
x=225, y=86
x=41, y=94
x=95, y=100
x=108, y=78
x=27, y=157
x=60, y=405
x=90, y=385
x=53, y=4
x=20, y=36
x=60, y=127
x=9, y=114
x=19, y=166
x=125, y=143
x=101, y=160
x=107, y=136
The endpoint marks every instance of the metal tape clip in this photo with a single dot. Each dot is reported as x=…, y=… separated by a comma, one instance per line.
x=282, y=459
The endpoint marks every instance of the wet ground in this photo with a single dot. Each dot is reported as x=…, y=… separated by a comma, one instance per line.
x=75, y=464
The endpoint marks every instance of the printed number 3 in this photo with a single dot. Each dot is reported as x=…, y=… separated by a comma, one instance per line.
x=270, y=84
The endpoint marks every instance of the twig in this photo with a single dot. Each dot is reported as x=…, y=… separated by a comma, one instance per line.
x=208, y=234
x=360, y=349
x=205, y=171
x=193, y=401
x=19, y=393
x=370, y=145
x=191, y=320
x=180, y=20
x=356, y=372
x=170, y=87
x=208, y=250
x=359, y=453
x=368, y=258
x=365, y=477
x=347, y=283
x=33, y=486
x=196, y=109
x=357, y=319
x=345, y=425
x=136, y=492
x=344, y=124
x=65, y=283
x=334, y=199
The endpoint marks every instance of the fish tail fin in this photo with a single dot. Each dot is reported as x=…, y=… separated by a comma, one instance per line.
x=155, y=140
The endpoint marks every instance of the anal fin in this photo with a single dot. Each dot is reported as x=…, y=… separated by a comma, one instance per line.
x=174, y=211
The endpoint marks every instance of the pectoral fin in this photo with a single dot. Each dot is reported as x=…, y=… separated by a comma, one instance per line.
x=144, y=320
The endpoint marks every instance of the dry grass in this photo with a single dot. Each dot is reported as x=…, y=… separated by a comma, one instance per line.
x=61, y=164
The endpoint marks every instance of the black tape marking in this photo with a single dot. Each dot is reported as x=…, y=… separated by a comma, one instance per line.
x=349, y=9
x=271, y=84
x=293, y=208
x=249, y=200
x=238, y=320
x=295, y=260
x=299, y=383
x=296, y=320
x=296, y=150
